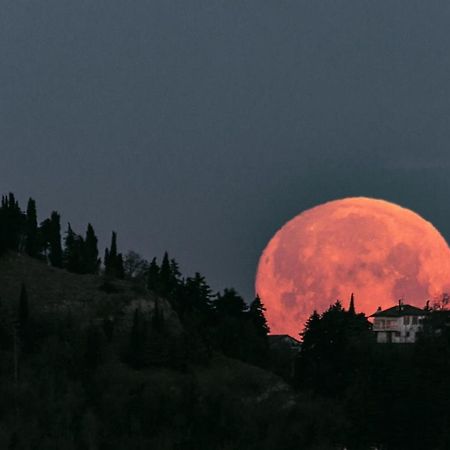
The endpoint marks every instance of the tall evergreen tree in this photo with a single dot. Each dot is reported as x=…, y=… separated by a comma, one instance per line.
x=169, y=277
x=114, y=261
x=165, y=276
x=230, y=303
x=12, y=224
x=31, y=231
x=196, y=295
x=351, y=308
x=231, y=332
x=54, y=239
x=257, y=317
x=256, y=341
x=334, y=348
x=74, y=252
x=91, y=259
x=153, y=276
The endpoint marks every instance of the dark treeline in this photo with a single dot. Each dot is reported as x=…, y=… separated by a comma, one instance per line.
x=182, y=367
x=392, y=396
x=20, y=232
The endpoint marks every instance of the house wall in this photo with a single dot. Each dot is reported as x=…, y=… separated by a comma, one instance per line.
x=398, y=330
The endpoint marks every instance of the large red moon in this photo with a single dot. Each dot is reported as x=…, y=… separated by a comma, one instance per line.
x=378, y=250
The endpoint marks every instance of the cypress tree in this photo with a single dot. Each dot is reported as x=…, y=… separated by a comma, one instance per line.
x=31, y=236
x=91, y=260
x=74, y=252
x=13, y=224
x=114, y=261
x=351, y=309
x=56, y=253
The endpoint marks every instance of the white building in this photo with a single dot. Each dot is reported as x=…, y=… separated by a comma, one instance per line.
x=399, y=324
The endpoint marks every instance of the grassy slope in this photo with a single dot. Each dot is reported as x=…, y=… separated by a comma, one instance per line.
x=242, y=396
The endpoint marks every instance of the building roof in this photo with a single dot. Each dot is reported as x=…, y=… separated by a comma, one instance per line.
x=277, y=340
x=400, y=311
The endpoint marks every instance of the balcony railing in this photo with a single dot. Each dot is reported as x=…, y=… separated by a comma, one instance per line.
x=386, y=326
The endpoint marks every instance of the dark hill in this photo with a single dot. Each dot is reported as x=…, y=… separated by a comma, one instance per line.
x=72, y=387
x=89, y=297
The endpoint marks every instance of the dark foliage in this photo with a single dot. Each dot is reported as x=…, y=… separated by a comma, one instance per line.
x=90, y=251
x=110, y=378
x=31, y=230
x=113, y=260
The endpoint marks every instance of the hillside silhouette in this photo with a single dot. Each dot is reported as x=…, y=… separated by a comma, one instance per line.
x=119, y=352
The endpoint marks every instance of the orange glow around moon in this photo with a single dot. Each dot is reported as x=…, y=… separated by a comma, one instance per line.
x=376, y=249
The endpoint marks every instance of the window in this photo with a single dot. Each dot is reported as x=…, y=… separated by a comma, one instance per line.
x=414, y=320
x=397, y=334
x=406, y=320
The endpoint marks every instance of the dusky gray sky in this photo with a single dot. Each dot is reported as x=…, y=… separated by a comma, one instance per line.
x=201, y=127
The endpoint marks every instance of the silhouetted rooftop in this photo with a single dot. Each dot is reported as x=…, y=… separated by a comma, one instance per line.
x=400, y=311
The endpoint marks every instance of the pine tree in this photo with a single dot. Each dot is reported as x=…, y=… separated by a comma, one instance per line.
x=165, y=276
x=310, y=333
x=230, y=303
x=31, y=236
x=196, y=295
x=231, y=330
x=257, y=317
x=153, y=276
x=333, y=350
x=91, y=259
